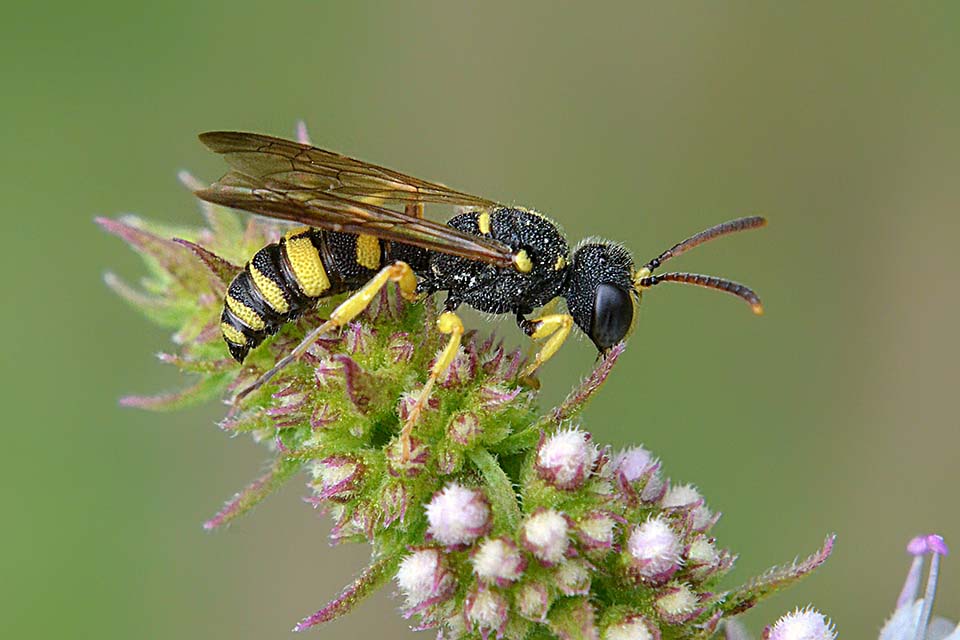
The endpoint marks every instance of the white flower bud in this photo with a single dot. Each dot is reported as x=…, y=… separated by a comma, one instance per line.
x=573, y=577
x=457, y=515
x=702, y=558
x=653, y=551
x=677, y=604
x=545, y=535
x=532, y=601
x=801, y=624
x=566, y=458
x=686, y=495
x=497, y=560
x=422, y=577
x=486, y=611
x=633, y=627
x=596, y=530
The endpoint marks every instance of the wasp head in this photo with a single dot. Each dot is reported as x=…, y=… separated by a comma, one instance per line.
x=599, y=292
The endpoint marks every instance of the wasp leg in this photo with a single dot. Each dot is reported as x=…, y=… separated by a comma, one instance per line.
x=414, y=209
x=449, y=324
x=555, y=326
x=349, y=309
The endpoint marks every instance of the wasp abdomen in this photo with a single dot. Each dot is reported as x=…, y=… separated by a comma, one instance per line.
x=286, y=278
x=279, y=283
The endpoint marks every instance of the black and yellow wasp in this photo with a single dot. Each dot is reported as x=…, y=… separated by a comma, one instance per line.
x=494, y=258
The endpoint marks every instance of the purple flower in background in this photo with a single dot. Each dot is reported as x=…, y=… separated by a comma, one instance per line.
x=911, y=619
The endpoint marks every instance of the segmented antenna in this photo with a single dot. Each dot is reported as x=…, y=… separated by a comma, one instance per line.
x=645, y=278
x=743, y=292
x=725, y=228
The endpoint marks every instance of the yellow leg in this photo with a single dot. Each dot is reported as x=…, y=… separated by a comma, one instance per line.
x=556, y=327
x=414, y=209
x=449, y=324
x=349, y=309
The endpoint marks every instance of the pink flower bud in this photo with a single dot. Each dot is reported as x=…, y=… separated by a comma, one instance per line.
x=423, y=579
x=545, y=535
x=637, y=466
x=566, y=458
x=677, y=604
x=532, y=600
x=632, y=627
x=801, y=624
x=486, y=611
x=498, y=561
x=653, y=551
x=457, y=515
x=633, y=462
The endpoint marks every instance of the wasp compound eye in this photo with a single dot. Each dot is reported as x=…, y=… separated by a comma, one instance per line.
x=612, y=316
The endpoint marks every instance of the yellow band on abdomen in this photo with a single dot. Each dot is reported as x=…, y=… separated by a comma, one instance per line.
x=307, y=266
x=368, y=251
x=246, y=315
x=270, y=290
x=232, y=334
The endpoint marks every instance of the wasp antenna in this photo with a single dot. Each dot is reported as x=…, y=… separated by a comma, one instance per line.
x=723, y=229
x=743, y=292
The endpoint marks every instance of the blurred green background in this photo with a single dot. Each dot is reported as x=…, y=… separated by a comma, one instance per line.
x=834, y=412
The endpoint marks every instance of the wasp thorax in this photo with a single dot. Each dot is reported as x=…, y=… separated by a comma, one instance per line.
x=599, y=292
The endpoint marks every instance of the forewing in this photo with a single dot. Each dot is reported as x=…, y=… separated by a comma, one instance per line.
x=283, y=161
x=322, y=209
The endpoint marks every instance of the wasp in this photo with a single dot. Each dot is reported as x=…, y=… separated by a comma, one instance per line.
x=365, y=228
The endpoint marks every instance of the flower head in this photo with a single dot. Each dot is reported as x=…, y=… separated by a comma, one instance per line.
x=487, y=526
x=801, y=624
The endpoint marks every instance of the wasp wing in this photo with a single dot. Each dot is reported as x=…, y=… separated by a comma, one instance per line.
x=291, y=181
x=280, y=160
x=317, y=208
